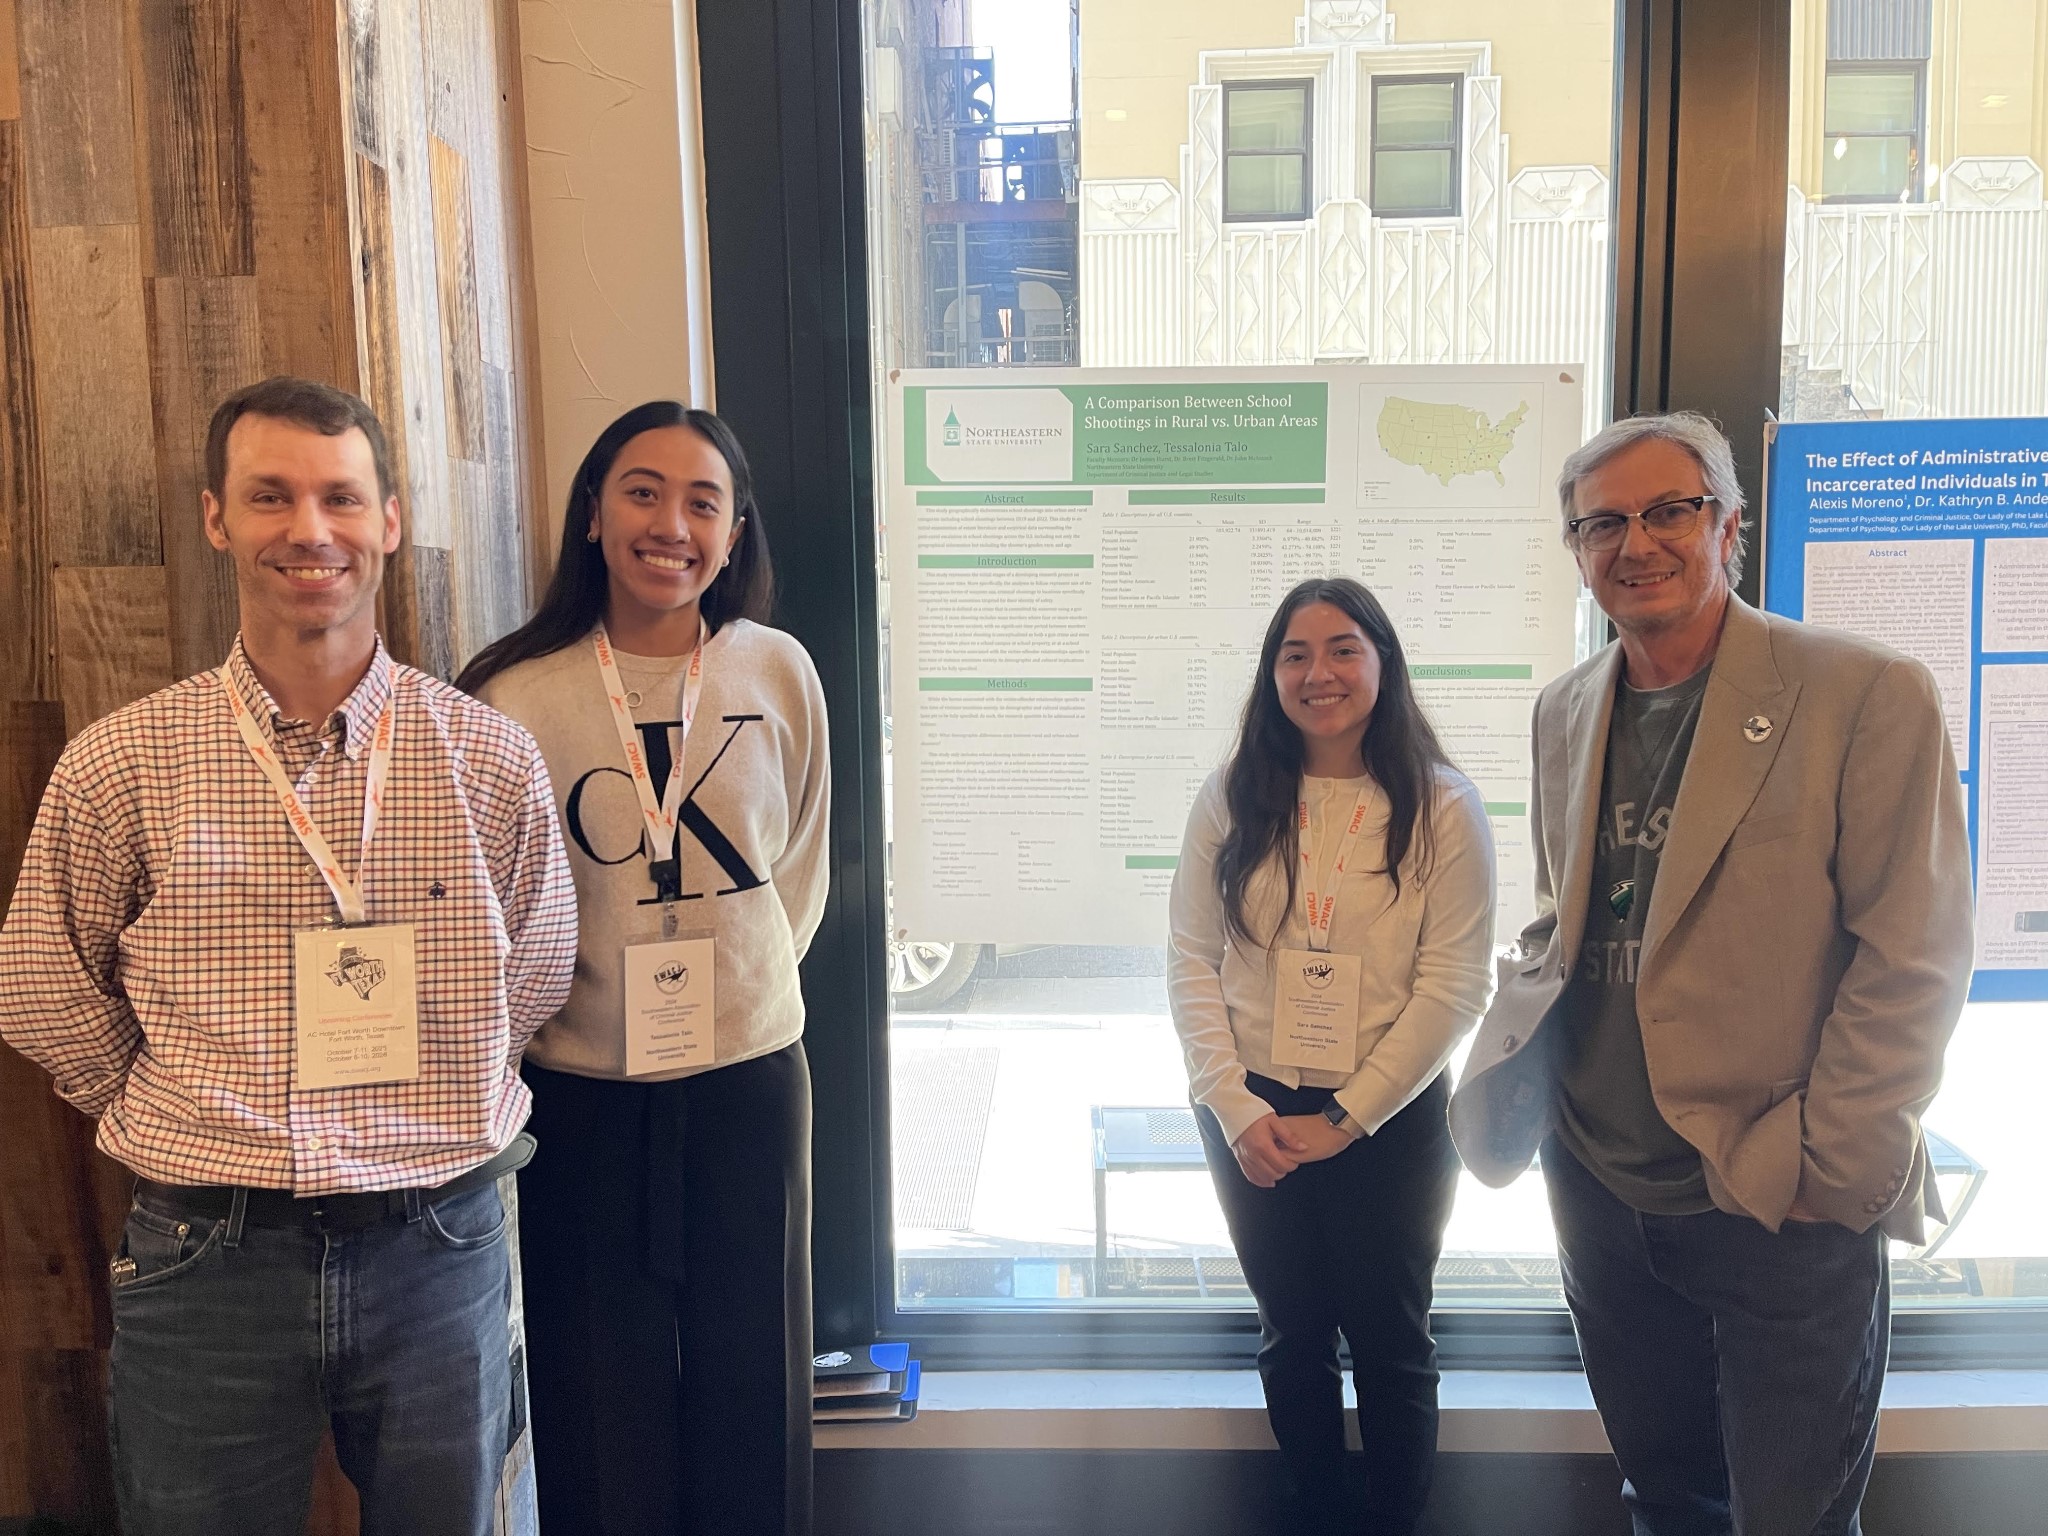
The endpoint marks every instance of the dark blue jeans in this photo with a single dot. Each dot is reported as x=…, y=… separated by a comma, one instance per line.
x=1737, y=1372
x=234, y=1351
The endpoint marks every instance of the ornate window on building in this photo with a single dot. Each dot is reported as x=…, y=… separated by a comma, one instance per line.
x=1415, y=146
x=1871, y=121
x=1266, y=150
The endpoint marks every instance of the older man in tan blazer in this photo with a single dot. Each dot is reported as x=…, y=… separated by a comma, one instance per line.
x=1751, y=943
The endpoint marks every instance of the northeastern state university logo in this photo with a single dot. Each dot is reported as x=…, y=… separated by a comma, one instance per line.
x=357, y=971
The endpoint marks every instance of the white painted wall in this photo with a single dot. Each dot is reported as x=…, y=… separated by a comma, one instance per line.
x=615, y=168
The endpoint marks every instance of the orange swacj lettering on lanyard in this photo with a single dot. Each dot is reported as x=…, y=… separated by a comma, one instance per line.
x=660, y=813
x=348, y=894
x=1319, y=895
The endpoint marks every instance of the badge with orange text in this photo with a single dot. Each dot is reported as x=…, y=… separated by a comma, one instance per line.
x=670, y=1010
x=1315, y=1010
x=357, y=1011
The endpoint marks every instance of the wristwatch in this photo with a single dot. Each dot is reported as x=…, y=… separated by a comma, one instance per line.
x=1340, y=1117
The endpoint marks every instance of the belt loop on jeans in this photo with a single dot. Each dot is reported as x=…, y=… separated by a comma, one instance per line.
x=238, y=1210
x=412, y=1205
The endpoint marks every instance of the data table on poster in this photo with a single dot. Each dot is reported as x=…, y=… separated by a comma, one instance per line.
x=1932, y=537
x=1082, y=564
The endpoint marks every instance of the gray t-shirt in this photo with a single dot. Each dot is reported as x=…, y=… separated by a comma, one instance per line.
x=1606, y=1116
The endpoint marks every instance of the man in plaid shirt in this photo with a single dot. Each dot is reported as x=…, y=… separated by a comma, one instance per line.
x=285, y=928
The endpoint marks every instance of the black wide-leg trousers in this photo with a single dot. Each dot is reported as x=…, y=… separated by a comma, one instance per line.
x=1348, y=1244
x=665, y=1247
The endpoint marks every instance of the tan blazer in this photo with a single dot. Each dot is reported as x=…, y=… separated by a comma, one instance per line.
x=1809, y=939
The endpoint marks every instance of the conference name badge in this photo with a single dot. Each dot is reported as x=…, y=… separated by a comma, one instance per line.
x=357, y=1017
x=1315, y=1010
x=670, y=1006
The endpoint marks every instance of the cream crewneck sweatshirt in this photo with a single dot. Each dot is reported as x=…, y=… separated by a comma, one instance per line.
x=757, y=795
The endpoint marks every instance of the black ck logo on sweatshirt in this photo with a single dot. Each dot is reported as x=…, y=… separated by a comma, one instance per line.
x=692, y=817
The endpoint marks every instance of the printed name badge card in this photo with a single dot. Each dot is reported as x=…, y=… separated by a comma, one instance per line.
x=358, y=1006
x=670, y=1008
x=1315, y=1010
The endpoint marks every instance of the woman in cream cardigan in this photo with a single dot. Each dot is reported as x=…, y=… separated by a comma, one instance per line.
x=1332, y=929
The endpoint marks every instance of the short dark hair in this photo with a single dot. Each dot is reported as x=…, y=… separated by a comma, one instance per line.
x=318, y=407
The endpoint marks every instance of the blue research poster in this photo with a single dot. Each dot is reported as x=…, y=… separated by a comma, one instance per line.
x=1932, y=537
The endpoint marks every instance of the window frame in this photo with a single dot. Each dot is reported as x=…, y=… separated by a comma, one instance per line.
x=1916, y=192
x=1306, y=153
x=1696, y=291
x=1456, y=146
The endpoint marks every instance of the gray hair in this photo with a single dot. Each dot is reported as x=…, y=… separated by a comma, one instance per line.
x=1696, y=434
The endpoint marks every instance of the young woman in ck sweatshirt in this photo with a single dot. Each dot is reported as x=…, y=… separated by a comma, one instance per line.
x=665, y=1221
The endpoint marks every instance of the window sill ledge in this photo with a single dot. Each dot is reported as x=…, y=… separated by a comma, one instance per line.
x=1534, y=1412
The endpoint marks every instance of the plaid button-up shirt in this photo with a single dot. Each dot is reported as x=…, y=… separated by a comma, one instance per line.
x=147, y=958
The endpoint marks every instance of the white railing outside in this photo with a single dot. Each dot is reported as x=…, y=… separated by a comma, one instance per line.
x=1909, y=310
x=1926, y=309
x=1518, y=280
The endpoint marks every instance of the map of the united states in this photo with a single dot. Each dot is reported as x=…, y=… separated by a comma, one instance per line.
x=1448, y=440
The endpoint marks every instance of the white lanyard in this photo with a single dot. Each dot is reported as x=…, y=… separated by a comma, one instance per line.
x=660, y=814
x=348, y=894
x=1319, y=896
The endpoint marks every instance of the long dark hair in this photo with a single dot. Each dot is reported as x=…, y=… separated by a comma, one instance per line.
x=576, y=593
x=1260, y=787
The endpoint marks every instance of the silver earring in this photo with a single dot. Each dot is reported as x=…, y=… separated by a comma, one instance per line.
x=591, y=535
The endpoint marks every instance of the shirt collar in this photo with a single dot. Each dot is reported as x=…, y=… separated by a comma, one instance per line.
x=357, y=717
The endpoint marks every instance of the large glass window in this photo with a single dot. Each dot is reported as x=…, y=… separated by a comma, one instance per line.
x=1044, y=1155
x=1415, y=147
x=1871, y=121
x=1266, y=131
x=1898, y=318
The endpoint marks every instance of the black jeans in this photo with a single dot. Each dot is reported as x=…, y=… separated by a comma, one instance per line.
x=1737, y=1370
x=1348, y=1244
x=665, y=1248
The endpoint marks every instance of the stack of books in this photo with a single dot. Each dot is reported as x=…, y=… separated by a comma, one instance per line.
x=866, y=1384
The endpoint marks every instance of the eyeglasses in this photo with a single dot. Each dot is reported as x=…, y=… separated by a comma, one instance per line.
x=1666, y=521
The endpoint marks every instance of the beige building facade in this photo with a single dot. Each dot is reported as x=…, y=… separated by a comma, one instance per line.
x=1916, y=236
x=1506, y=109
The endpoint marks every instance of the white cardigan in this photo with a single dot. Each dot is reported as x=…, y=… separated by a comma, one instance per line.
x=1427, y=955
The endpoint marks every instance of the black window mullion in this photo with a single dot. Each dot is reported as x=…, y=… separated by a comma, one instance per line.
x=1453, y=145
x=1304, y=153
x=785, y=196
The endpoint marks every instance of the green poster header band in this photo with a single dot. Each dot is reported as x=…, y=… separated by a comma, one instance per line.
x=1005, y=562
x=1506, y=808
x=1005, y=498
x=1265, y=433
x=1006, y=685
x=1287, y=495
x=1462, y=672
x=1151, y=861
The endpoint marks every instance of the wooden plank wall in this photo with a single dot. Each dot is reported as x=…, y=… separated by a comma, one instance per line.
x=195, y=194
x=438, y=187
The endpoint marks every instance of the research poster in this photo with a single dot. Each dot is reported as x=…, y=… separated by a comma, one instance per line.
x=1081, y=567
x=1932, y=536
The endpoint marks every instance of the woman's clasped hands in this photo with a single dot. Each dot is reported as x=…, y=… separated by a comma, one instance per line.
x=1273, y=1146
